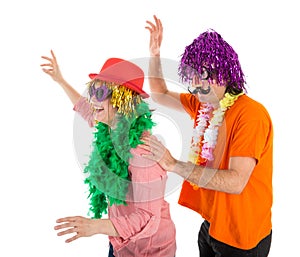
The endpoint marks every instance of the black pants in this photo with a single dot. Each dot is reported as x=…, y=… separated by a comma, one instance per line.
x=210, y=247
x=111, y=251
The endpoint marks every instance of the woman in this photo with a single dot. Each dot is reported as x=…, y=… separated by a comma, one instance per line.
x=121, y=182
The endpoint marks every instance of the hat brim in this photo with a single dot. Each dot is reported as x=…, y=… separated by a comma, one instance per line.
x=128, y=84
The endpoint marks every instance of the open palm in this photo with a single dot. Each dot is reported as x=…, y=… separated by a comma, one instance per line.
x=156, y=35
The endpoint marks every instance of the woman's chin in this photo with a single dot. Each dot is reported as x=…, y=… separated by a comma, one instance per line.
x=100, y=118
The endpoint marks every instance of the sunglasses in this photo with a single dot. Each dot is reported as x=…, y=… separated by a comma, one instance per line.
x=101, y=93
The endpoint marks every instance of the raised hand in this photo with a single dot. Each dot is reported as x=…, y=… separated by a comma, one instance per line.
x=52, y=68
x=156, y=35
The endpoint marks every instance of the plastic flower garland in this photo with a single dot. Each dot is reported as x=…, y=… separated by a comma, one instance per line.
x=205, y=134
x=107, y=169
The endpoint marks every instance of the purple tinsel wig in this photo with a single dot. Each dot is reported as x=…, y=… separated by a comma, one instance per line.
x=213, y=52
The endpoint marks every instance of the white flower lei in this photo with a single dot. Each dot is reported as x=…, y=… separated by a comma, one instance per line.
x=205, y=134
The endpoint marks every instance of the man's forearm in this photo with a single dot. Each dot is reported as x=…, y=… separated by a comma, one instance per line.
x=220, y=180
x=188, y=171
x=156, y=80
x=232, y=181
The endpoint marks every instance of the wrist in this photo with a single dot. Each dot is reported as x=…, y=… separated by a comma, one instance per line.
x=157, y=54
x=108, y=228
x=186, y=171
x=62, y=82
x=170, y=164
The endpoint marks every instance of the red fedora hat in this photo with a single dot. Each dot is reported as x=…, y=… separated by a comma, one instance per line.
x=122, y=72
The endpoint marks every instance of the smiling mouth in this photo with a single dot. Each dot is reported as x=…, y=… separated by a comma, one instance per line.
x=98, y=109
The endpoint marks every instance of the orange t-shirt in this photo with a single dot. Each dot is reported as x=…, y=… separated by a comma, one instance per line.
x=239, y=220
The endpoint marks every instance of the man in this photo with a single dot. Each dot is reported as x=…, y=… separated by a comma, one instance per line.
x=228, y=178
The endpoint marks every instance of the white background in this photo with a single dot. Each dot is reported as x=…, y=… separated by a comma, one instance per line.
x=40, y=176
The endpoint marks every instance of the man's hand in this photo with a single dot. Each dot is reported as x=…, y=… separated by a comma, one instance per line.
x=158, y=153
x=156, y=35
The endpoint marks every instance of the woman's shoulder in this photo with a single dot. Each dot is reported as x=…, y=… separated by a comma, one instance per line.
x=143, y=167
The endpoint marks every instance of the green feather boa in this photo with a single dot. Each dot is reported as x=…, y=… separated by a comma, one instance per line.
x=107, y=169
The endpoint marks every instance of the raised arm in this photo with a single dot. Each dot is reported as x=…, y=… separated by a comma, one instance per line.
x=158, y=87
x=52, y=69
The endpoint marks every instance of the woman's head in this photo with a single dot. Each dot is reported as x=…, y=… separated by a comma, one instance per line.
x=212, y=52
x=117, y=88
x=122, y=72
x=108, y=99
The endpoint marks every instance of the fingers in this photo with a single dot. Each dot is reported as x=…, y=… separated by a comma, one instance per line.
x=72, y=229
x=70, y=226
x=157, y=151
x=47, y=65
x=51, y=68
x=154, y=27
x=66, y=223
x=51, y=60
x=158, y=23
x=47, y=58
x=145, y=147
x=53, y=55
x=67, y=219
x=155, y=148
x=151, y=157
x=48, y=71
x=69, y=240
x=152, y=142
x=65, y=232
x=50, y=64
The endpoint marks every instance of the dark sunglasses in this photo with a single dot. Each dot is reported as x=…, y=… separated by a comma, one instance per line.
x=101, y=93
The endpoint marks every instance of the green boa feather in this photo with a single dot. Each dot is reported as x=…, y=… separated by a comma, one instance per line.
x=107, y=168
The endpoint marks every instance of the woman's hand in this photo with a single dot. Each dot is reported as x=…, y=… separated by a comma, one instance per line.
x=52, y=68
x=156, y=35
x=84, y=227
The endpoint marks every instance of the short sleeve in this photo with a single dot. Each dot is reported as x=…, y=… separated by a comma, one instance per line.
x=84, y=109
x=251, y=135
x=190, y=103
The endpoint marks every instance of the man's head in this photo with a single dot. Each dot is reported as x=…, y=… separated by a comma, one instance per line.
x=211, y=52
